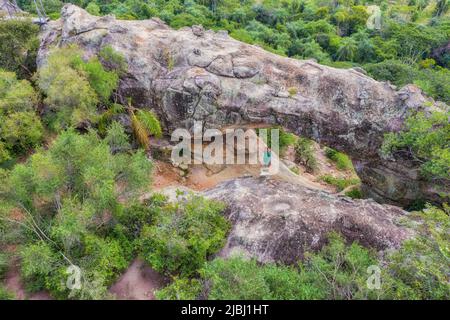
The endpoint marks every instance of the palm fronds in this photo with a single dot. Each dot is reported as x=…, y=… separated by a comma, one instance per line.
x=140, y=131
x=150, y=122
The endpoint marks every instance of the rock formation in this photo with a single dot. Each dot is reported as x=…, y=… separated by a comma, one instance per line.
x=9, y=9
x=193, y=74
x=278, y=221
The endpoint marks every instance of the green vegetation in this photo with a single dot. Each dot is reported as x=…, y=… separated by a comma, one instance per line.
x=18, y=46
x=339, y=183
x=341, y=160
x=20, y=127
x=144, y=124
x=419, y=270
x=421, y=266
x=336, y=272
x=354, y=193
x=5, y=294
x=69, y=96
x=285, y=139
x=69, y=198
x=184, y=235
x=425, y=139
x=304, y=153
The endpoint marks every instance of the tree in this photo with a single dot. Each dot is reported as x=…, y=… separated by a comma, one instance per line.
x=72, y=197
x=20, y=127
x=425, y=139
x=93, y=9
x=18, y=46
x=68, y=92
x=304, y=153
x=184, y=235
x=347, y=50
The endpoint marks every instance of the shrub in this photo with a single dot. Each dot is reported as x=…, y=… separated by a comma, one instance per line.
x=339, y=183
x=4, y=264
x=144, y=124
x=5, y=294
x=68, y=92
x=420, y=267
x=113, y=60
x=394, y=71
x=180, y=289
x=20, y=127
x=72, y=191
x=426, y=139
x=73, y=87
x=21, y=131
x=304, y=153
x=102, y=81
x=341, y=160
x=93, y=9
x=354, y=193
x=117, y=138
x=338, y=271
x=18, y=46
x=184, y=235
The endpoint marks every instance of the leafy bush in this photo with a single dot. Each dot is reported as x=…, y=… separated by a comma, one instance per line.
x=138, y=215
x=354, y=193
x=102, y=81
x=144, y=124
x=426, y=139
x=394, y=71
x=336, y=272
x=75, y=193
x=304, y=153
x=18, y=46
x=68, y=92
x=180, y=289
x=339, y=183
x=420, y=268
x=113, y=60
x=4, y=264
x=184, y=235
x=20, y=127
x=5, y=294
x=117, y=138
x=341, y=160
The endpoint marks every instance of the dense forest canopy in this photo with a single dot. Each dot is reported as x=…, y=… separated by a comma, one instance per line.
x=73, y=174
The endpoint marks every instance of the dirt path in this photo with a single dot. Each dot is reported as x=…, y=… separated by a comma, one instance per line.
x=139, y=282
x=14, y=283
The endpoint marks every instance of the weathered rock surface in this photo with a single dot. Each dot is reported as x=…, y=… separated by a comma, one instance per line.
x=8, y=9
x=278, y=221
x=193, y=74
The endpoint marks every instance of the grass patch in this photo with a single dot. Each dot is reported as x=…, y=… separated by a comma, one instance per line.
x=295, y=170
x=341, y=160
x=354, y=193
x=339, y=183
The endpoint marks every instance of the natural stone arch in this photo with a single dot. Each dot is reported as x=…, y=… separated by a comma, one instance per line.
x=192, y=74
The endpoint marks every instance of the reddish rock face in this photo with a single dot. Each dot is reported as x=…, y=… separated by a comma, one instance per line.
x=192, y=74
x=278, y=221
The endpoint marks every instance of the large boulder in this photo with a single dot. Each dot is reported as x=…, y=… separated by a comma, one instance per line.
x=196, y=74
x=278, y=221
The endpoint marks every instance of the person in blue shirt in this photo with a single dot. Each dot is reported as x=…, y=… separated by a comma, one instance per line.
x=267, y=157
